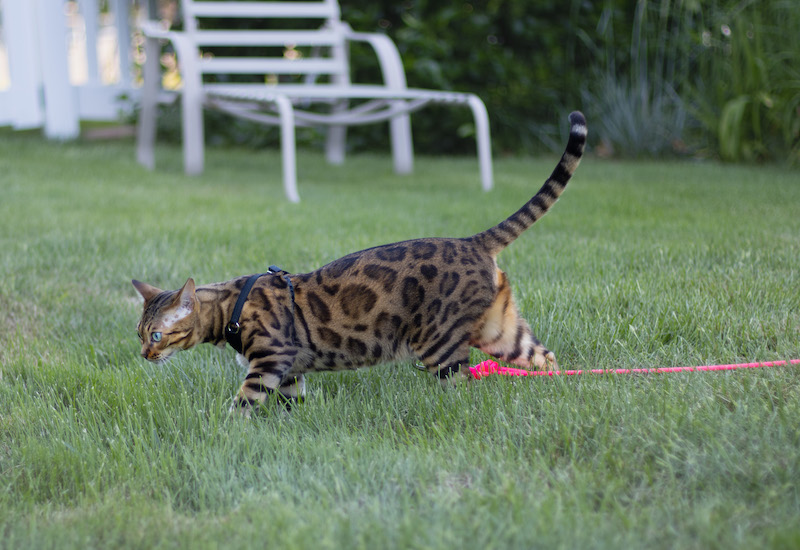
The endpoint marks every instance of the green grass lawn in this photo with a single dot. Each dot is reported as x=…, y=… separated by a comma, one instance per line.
x=643, y=264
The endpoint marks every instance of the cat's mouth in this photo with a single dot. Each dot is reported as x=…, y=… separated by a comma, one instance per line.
x=159, y=358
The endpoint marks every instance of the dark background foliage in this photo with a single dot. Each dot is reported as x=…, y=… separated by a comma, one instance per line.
x=672, y=77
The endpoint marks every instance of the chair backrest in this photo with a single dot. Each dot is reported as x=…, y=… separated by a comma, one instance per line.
x=273, y=41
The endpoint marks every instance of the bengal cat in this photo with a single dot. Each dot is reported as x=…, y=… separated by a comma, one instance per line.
x=429, y=299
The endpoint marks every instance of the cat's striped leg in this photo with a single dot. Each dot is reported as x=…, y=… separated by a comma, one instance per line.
x=257, y=388
x=517, y=345
x=265, y=376
x=450, y=369
x=293, y=390
x=505, y=335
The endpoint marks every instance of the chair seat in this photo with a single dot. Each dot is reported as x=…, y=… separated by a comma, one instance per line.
x=380, y=103
x=329, y=92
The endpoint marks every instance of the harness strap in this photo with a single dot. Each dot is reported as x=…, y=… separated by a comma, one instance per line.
x=285, y=275
x=233, y=331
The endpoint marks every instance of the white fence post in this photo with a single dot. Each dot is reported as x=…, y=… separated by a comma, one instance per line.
x=39, y=90
x=60, y=98
x=91, y=24
x=121, y=19
x=21, y=107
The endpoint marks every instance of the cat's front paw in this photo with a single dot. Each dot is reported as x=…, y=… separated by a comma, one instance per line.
x=456, y=378
x=241, y=406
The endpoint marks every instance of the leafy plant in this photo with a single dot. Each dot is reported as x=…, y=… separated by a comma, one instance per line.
x=635, y=96
x=747, y=88
x=718, y=78
x=520, y=57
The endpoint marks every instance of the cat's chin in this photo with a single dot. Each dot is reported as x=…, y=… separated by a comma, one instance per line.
x=162, y=359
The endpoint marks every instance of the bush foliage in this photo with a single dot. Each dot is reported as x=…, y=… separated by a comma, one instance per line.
x=718, y=79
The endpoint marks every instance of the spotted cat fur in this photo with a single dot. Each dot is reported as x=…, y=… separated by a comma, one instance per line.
x=429, y=299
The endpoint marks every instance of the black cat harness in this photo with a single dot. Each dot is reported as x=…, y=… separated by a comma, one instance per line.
x=233, y=331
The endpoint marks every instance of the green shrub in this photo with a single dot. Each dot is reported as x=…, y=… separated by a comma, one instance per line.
x=719, y=78
x=634, y=94
x=746, y=91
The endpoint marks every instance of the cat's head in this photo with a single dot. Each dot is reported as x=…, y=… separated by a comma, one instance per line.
x=168, y=321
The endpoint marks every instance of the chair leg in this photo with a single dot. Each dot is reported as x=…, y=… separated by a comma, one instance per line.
x=483, y=140
x=286, y=112
x=335, y=144
x=146, y=126
x=192, y=116
x=402, y=147
x=336, y=138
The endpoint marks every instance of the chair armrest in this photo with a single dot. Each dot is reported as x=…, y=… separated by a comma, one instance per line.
x=185, y=49
x=394, y=75
x=155, y=29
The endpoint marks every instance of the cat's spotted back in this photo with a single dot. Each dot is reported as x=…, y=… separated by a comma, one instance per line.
x=428, y=299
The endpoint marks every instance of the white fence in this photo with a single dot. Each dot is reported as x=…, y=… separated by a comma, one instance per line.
x=63, y=61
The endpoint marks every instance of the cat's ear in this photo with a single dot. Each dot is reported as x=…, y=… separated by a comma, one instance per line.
x=147, y=291
x=186, y=298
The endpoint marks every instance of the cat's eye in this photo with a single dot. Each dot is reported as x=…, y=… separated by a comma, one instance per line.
x=155, y=337
x=141, y=339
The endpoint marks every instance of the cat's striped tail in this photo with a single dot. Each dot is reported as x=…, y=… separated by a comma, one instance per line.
x=504, y=233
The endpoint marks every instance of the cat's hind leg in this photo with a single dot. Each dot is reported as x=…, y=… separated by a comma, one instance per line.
x=520, y=347
x=503, y=334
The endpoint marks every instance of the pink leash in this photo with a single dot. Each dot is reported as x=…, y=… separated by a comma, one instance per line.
x=491, y=367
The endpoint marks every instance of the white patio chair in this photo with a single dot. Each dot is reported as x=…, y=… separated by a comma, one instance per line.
x=290, y=83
